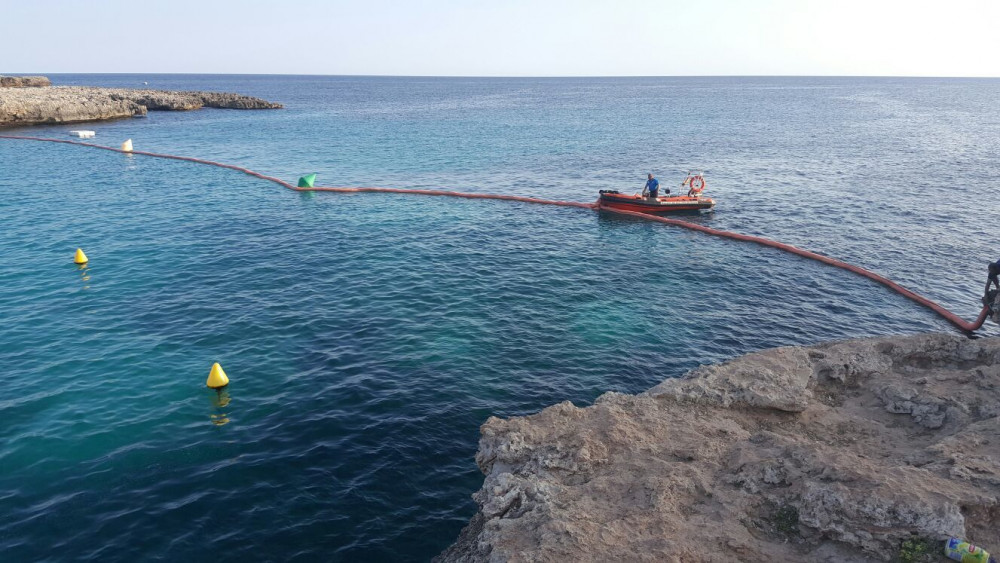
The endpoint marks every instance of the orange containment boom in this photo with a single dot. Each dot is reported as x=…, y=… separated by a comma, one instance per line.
x=946, y=314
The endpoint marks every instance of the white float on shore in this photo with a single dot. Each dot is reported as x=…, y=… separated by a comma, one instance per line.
x=83, y=134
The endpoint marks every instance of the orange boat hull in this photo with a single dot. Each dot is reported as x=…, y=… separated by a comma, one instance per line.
x=666, y=204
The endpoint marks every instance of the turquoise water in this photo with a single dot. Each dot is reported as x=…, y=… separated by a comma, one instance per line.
x=368, y=336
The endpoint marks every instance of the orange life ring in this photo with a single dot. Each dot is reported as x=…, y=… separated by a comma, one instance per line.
x=701, y=185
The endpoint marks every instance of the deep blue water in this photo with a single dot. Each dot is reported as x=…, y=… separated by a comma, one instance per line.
x=368, y=336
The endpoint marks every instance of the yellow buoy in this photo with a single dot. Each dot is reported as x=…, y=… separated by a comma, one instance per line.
x=127, y=145
x=80, y=257
x=217, y=378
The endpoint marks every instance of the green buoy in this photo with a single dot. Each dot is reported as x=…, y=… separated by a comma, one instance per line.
x=307, y=181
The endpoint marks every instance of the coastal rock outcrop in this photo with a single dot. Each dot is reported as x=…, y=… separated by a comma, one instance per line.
x=71, y=104
x=848, y=451
x=157, y=100
x=24, y=82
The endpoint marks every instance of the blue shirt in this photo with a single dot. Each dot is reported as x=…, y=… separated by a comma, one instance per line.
x=652, y=184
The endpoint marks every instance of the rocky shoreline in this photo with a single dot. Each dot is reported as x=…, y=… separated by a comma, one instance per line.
x=862, y=450
x=30, y=101
x=24, y=82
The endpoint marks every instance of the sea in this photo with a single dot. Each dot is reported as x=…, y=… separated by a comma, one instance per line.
x=368, y=336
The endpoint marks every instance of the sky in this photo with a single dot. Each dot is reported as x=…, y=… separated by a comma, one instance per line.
x=504, y=37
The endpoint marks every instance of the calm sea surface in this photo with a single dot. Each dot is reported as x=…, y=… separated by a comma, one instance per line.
x=368, y=336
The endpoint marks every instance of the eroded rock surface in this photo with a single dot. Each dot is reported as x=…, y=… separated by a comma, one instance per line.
x=24, y=82
x=836, y=452
x=71, y=104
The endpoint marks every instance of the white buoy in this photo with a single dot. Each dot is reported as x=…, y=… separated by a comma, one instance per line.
x=127, y=145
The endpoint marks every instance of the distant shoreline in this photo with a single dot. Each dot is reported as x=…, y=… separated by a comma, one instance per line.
x=28, y=101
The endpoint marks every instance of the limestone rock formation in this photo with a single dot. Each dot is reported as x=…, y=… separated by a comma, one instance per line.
x=24, y=82
x=156, y=100
x=838, y=452
x=71, y=104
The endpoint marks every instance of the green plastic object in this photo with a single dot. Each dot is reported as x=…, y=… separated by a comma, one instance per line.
x=307, y=181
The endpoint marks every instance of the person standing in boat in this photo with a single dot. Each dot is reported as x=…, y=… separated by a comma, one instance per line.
x=652, y=188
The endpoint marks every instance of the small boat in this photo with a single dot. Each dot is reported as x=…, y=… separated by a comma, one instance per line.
x=692, y=201
x=83, y=134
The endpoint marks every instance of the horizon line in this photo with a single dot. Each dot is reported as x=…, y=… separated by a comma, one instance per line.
x=540, y=76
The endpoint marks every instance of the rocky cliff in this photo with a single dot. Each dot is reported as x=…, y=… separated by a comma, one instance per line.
x=861, y=450
x=71, y=104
